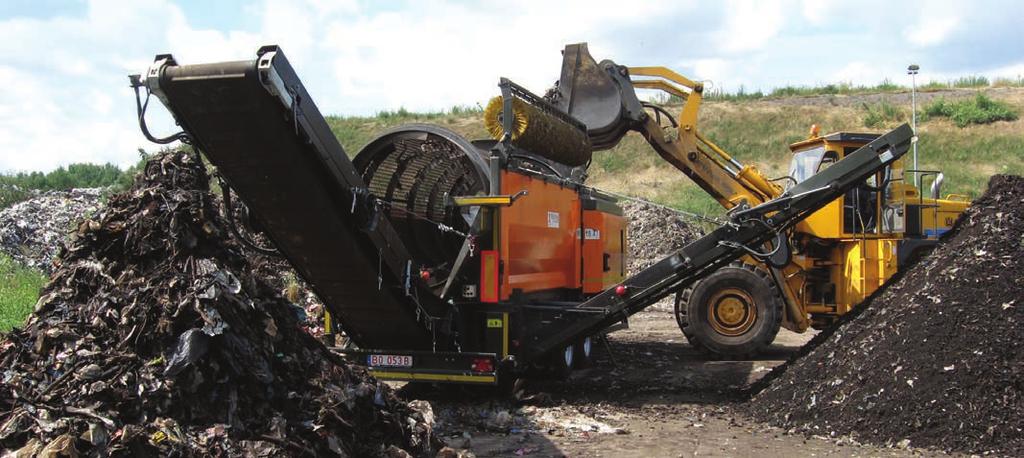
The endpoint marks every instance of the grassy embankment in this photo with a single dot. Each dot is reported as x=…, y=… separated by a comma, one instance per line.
x=758, y=130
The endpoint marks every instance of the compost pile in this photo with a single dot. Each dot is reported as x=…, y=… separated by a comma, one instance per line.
x=654, y=232
x=153, y=337
x=934, y=360
x=32, y=231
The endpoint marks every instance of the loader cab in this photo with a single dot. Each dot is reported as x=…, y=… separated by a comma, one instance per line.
x=864, y=210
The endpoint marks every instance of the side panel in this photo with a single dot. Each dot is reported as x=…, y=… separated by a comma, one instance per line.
x=826, y=223
x=864, y=265
x=615, y=245
x=539, y=248
x=603, y=238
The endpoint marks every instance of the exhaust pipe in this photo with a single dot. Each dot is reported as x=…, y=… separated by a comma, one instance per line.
x=937, y=185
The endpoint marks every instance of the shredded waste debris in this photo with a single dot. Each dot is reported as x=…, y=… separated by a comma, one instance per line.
x=155, y=336
x=935, y=359
x=653, y=233
x=32, y=231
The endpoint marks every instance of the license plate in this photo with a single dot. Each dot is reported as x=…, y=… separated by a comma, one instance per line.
x=389, y=361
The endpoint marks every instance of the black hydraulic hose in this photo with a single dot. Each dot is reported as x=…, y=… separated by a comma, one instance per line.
x=226, y=195
x=539, y=162
x=140, y=108
x=658, y=111
x=785, y=177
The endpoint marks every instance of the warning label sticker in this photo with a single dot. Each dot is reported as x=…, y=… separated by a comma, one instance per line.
x=554, y=219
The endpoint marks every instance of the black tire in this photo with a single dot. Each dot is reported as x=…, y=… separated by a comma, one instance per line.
x=561, y=362
x=584, y=353
x=510, y=384
x=735, y=312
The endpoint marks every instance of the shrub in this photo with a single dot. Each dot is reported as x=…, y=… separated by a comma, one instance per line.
x=979, y=110
x=15, y=187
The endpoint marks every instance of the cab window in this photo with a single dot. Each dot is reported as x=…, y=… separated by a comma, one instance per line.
x=805, y=163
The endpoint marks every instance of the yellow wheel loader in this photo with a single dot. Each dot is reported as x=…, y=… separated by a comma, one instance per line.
x=836, y=257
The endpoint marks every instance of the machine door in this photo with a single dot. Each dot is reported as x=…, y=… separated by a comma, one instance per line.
x=861, y=204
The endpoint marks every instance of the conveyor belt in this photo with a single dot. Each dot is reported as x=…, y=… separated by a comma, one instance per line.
x=257, y=124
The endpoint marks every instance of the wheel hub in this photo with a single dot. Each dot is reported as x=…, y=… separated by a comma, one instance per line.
x=732, y=312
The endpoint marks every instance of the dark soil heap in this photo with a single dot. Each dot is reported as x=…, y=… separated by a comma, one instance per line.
x=154, y=337
x=936, y=358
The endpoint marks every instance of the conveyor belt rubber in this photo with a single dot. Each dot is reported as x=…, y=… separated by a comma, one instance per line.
x=284, y=162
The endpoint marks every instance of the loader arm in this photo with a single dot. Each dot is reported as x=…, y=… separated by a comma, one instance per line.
x=584, y=89
x=603, y=96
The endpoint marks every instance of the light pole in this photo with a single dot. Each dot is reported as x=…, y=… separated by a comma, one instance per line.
x=912, y=71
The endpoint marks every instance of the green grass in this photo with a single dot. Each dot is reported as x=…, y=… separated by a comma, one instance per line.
x=979, y=110
x=964, y=82
x=354, y=132
x=683, y=195
x=743, y=94
x=968, y=157
x=19, y=291
x=973, y=81
x=1008, y=82
x=882, y=114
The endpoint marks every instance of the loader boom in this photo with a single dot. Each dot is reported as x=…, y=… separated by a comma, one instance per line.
x=719, y=174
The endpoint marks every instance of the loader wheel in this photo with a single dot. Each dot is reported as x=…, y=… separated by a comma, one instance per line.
x=735, y=312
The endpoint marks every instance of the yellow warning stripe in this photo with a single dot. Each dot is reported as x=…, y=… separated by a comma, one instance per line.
x=416, y=376
x=504, y=334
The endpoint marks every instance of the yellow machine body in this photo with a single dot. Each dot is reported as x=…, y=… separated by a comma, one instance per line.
x=862, y=250
x=837, y=261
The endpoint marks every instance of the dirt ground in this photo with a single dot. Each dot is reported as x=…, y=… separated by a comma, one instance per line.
x=648, y=394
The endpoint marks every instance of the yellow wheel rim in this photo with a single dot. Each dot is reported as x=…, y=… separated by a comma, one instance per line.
x=731, y=312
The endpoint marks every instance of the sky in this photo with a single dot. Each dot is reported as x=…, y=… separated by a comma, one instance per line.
x=64, y=94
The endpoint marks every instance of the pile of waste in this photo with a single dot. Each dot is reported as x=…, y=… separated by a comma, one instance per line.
x=936, y=359
x=154, y=337
x=654, y=232
x=32, y=231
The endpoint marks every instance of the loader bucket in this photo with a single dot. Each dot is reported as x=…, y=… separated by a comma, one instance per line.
x=599, y=95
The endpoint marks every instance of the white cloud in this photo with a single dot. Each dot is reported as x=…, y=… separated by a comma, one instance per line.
x=750, y=24
x=817, y=12
x=931, y=32
x=934, y=23
x=69, y=99
x=65, y=96
x=717, y=71
x=856, y=72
